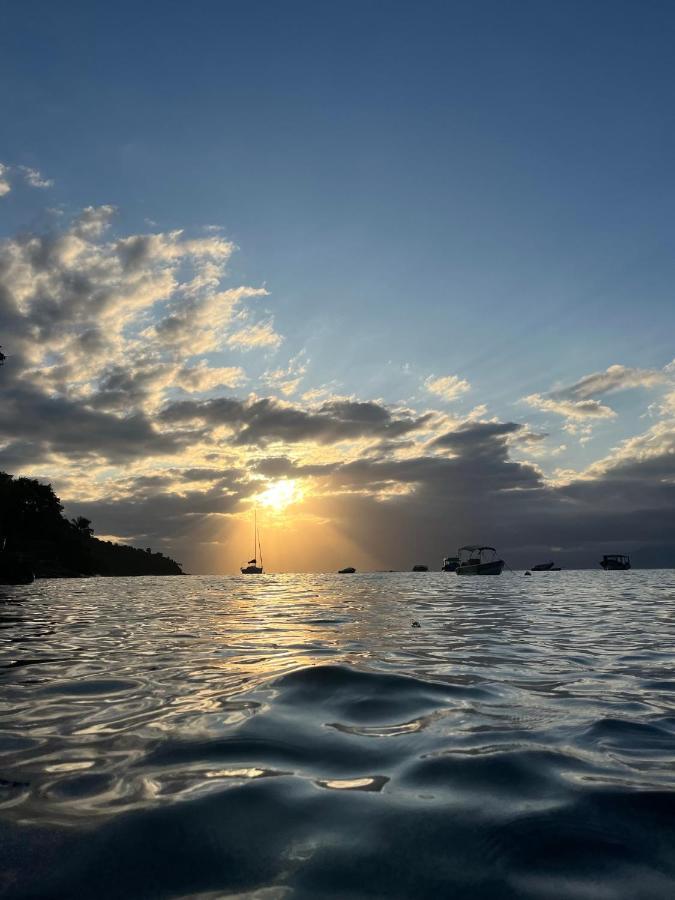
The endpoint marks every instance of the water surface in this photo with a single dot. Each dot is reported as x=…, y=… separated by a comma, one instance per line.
x=295, y=736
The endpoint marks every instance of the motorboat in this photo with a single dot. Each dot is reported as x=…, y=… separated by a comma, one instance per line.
x=546, y=567
x=420, y=568
x=615, y=561
x=252, y=567
x=348, y=570
x=478, y=560
x=450, y=564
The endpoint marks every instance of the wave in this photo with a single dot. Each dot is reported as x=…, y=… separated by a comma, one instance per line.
x=208, y=753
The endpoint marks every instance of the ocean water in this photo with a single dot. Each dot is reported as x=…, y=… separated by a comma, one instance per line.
x=295, y=736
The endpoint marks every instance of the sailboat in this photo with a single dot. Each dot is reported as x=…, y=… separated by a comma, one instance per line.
x=252, y=567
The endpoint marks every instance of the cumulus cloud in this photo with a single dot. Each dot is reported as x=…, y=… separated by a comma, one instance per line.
x=35, y=179
x=80, y=305
x=448, y=387
x=5, y=186
x=32, y=177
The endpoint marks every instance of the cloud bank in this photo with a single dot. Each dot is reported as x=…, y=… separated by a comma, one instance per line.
x=129, y=383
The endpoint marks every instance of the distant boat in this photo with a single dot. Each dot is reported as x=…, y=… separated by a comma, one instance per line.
x=477, y=560
x=546, y=567
x=349, y=570
x=615, y=561
x=450, y=564
x=420, y=568
x=252, y=567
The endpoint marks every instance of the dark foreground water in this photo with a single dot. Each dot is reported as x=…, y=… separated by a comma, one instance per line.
x=296, y=737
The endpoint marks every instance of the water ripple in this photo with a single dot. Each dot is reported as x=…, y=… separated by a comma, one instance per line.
x=293, y=737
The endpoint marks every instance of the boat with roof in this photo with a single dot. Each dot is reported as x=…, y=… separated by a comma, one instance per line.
x=475, y=559
x=615, y=562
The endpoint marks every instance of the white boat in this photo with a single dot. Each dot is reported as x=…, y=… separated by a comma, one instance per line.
x=252, y=567
x=477, y=560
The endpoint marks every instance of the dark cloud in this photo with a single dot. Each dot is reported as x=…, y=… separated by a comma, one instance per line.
x=155, y=517
x=479, y=437
x=262, y=421
x=59, y=425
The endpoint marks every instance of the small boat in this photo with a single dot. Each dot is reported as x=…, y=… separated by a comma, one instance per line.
x=450, y=564
x=15, y=571
x=349, y=570
x=252, y=567
x=477, y=560
x=615, y=561
x=420, y=568
x=546, y=567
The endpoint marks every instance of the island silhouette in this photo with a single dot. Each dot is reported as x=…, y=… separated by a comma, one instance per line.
x=37, y=539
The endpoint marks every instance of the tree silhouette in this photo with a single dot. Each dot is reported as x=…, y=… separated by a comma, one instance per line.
x=82, y=525
x=33, y=529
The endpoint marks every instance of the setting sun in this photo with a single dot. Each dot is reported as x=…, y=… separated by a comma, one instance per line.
x=281, y=494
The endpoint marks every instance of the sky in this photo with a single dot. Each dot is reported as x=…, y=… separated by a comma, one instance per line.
x=400, y=276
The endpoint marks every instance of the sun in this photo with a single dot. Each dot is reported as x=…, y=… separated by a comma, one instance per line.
x=280, y=494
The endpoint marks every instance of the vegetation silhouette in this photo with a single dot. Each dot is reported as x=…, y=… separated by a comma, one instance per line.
x=34, y=534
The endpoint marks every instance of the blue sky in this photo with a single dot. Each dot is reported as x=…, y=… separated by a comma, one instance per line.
x=479, y=190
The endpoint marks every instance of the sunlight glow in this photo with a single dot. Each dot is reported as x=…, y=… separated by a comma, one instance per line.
x=281, y=494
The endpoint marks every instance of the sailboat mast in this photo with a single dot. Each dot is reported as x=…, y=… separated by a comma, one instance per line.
x=260, y=549
x=255, y=531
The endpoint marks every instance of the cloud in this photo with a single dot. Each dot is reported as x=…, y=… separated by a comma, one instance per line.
x=448, y=387
x=261, y=421
x=35, y=179
x=5, y=186
x=60, y=426
x=121, y=386
x=251, y=337
x=478, y=436
x=570, y=409
x=614, y=378
x=287, y=379
x=575, y=402
x=31, y=177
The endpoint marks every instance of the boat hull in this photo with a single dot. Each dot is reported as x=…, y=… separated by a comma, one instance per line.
x=17, y=577
x=613, y=566
x=489, y=568
x=15, y=571
x=251, y=570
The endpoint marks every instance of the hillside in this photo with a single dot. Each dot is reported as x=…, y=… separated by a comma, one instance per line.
x=34, y=531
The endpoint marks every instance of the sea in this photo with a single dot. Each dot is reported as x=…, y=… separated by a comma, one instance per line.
x=287, y=737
